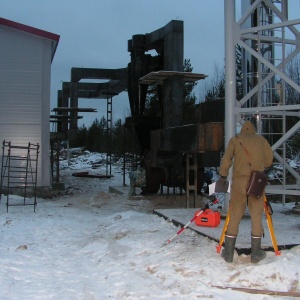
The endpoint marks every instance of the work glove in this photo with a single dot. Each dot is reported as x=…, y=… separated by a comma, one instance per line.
x=221, y=185
x=222, y=179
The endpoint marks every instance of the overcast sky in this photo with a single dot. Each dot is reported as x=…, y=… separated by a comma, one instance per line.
x=94, y=34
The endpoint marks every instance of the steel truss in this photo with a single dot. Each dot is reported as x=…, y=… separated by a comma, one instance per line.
x=269, y=42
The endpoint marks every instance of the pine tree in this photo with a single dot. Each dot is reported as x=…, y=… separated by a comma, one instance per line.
x=189, y=116
x=81, y=138
x=118, y=138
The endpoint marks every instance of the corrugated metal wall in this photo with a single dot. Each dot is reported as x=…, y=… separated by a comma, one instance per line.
x=25, y=66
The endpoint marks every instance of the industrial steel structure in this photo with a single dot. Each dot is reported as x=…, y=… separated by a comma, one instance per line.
x=173, y=155
x=269, y=96
x=269, y=43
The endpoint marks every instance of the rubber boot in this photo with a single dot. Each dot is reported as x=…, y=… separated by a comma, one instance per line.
x=257, y=253
x=228, y=251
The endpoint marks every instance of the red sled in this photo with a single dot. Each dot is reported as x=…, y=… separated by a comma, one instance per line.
x=208, y=218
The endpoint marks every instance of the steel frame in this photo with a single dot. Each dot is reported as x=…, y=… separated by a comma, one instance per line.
x=237, y=33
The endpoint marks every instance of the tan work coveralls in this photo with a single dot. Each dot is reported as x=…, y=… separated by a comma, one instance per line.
x=261, y=157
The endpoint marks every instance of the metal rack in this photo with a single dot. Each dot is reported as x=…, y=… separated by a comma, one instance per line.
x=19, y=173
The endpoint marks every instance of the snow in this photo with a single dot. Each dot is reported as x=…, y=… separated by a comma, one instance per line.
x=92, y=244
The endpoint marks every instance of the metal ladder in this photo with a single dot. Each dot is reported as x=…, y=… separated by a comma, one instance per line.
x=19, y=173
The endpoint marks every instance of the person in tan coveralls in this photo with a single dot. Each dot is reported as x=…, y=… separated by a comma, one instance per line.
x=261, y=157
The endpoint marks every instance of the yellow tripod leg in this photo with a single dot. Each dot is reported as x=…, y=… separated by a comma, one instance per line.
x=222, y=238
x=268, y=214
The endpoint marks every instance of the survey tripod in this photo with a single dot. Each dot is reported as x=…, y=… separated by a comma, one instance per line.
x=268, y=213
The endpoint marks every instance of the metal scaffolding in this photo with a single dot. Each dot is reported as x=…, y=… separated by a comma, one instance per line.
x=269, y=42
x=19, y=173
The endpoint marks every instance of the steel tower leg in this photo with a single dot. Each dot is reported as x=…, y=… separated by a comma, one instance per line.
x=230, y=78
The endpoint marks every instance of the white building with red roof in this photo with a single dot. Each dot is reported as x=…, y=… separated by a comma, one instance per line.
x=26, y=54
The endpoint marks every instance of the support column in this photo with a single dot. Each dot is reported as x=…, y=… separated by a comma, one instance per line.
x=230, y=77
x=73, y=104
x=173, y=87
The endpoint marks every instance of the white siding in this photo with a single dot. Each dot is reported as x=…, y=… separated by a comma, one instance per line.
x=25, y=64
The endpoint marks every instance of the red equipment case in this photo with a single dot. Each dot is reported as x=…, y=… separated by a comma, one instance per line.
x=208, y=218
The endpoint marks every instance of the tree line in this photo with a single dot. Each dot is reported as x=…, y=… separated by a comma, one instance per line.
x=99, y=138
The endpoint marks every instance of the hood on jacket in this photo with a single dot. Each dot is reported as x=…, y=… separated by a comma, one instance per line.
x=248, y=127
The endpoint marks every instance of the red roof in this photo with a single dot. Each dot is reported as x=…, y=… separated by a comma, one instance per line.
x=31, y=30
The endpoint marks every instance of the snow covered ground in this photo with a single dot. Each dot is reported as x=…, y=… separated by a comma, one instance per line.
x=92, y=244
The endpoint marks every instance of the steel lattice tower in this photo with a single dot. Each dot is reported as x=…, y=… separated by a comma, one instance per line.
x=270, y=44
